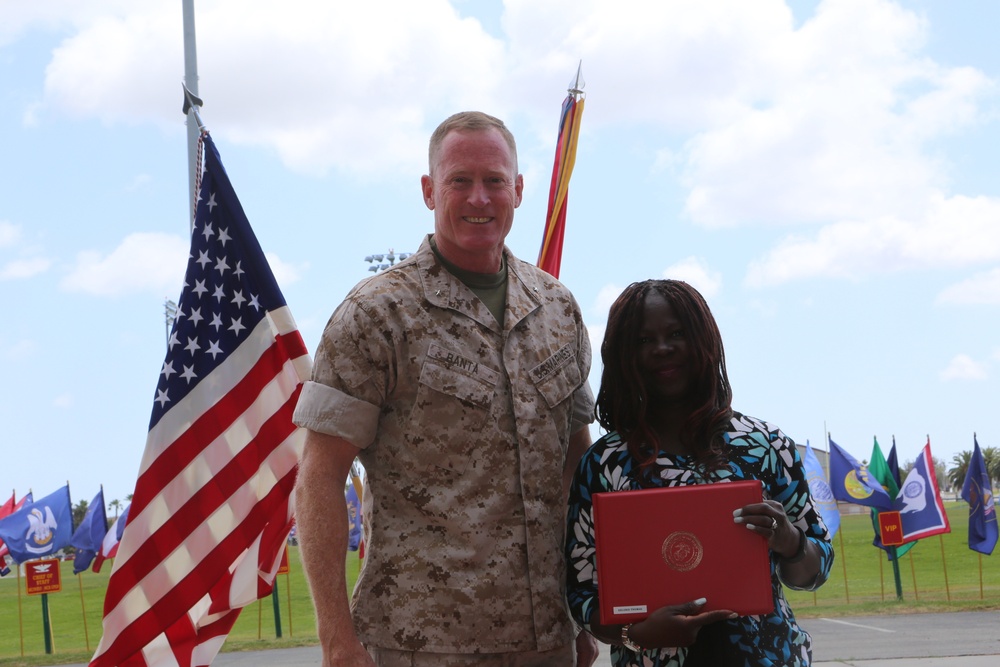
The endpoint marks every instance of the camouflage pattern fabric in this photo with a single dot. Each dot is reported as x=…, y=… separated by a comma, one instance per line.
x=464, y=429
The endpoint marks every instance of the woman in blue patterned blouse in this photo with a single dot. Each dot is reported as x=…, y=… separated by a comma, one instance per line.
x=665, y=400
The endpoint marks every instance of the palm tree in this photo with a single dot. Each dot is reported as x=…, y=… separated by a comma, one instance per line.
x=939, y=472
x=957, y=474
x=116, y=505
x=79, y=512
x=991, y=457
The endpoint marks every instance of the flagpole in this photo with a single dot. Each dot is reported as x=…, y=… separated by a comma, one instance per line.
x=550, y=253
x=843, y=563
x=980, y=575
x=83, y=608
x=20, y=615
x=191, y=84
x=288, y=594
x=944, y=565
x=840, y=533
x=913, y=573
x=881, y=576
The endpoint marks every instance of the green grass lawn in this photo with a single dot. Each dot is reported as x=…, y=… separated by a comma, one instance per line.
x=869, y=589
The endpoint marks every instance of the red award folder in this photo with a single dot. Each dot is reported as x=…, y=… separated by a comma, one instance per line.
x=667, y=546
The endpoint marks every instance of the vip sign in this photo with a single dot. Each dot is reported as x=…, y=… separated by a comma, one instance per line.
x=890, y=528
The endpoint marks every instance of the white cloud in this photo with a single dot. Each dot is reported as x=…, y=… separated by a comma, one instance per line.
x=325, y=84
x=983, y=288
x=140, y=182
x=605, y=297
x=63, y=401
x=284, y=273
x=19, y=351
x=828, y=124
x=952, y=232
x=964, y=367
x=24, y=268
x=143, y=262
x=10, y=234
x=696, y=273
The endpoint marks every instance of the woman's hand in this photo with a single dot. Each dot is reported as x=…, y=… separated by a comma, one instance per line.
x=768, y=518
x=799, y=559
x=675, y=625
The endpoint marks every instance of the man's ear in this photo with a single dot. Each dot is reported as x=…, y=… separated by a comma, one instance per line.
x=427, y=187
x=518, y=188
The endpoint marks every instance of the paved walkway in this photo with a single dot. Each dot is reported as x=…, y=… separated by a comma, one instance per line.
x=960, y=639
x=310, y=657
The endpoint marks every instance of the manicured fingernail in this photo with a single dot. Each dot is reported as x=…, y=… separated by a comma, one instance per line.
x=734, y=615
x=700, y=601
x=738, y=512
x=738, y=519
x=750, y=526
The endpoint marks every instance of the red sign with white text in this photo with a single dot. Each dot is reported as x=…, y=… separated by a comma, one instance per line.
x=42, y=576
x=890, y=528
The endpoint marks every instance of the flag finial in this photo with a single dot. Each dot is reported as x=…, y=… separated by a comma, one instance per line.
x=577, y=85
x=192, y=103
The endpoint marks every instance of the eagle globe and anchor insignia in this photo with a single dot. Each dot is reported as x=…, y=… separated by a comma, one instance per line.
x=682, y=551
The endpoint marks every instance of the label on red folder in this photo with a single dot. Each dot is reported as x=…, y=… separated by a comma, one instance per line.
x=667, y=546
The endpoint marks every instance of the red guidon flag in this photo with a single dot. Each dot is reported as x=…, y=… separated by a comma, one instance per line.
x=550, y=254
x=213, y=502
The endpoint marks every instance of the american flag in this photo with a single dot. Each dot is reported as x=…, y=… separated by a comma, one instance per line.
x=213, y=502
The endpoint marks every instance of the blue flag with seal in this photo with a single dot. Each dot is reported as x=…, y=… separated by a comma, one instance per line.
x=978, y=492
x=820, y=491
x=921, y=509
x=353, y=518
x=40, y=528
x=90, y=533
x=852, y=484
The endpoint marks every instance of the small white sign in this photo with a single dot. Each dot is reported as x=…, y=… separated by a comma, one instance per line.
x=633, y=609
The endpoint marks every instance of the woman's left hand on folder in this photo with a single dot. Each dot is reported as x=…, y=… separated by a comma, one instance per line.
x=768, y=519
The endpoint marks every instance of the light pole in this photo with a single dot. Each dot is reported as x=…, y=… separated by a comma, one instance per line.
x=378, y=262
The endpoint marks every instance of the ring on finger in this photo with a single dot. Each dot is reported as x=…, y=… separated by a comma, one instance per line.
x=774, y=523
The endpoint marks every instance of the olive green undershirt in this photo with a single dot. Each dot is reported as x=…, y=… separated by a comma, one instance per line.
x=491, y=288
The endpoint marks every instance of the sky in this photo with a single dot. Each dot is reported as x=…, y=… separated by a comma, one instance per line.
x=823, y=172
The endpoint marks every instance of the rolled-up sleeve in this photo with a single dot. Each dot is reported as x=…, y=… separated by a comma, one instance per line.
x=350, y=372
x=331, y=411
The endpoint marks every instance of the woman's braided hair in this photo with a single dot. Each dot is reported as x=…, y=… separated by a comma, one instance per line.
x=622, y=402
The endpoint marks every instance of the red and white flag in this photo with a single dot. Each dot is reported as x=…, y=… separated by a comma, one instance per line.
x=109, y=545
x=213, y=503
x=7, y=509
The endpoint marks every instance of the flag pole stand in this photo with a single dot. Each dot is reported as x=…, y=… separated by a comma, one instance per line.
x=895, y=573
x=288, y=596
x=277, y=609
x=83, y=608
x=46, y=624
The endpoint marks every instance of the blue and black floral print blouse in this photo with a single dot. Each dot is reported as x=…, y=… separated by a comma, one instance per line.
x=758, y=450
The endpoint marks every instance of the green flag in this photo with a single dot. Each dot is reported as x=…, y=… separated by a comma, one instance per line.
x=880, y=471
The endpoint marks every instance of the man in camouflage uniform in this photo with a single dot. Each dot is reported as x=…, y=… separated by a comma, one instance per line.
x=459, y=378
